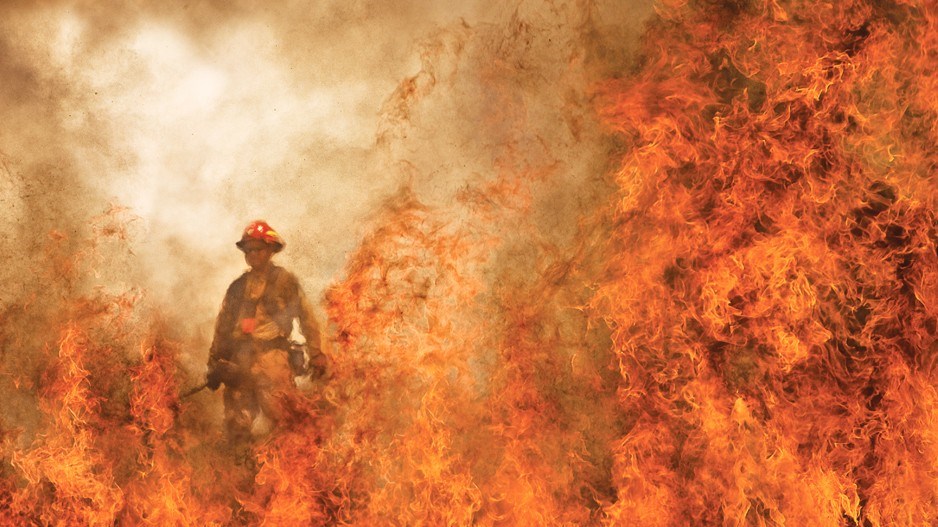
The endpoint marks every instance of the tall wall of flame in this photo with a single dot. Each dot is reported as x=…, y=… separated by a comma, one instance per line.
x=776, y=203
x=578, y=263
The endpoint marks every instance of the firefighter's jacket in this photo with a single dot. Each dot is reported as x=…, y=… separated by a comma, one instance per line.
x=258, y=312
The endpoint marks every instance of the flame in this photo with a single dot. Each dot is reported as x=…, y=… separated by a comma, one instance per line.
x=162, y=490
x=109, y=451
x=775, y=207
x=65, y=478
x=405, y=367
x=742, y=333
x=290, y=487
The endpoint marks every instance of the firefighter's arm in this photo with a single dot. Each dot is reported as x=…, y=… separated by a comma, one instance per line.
x=220, y=351
x=317, y=360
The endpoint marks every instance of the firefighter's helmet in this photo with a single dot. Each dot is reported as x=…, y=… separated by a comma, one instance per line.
x=260, y=230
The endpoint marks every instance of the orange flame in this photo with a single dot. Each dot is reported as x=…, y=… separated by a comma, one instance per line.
x=67, y=479
x=770, y=308
x=744, y=335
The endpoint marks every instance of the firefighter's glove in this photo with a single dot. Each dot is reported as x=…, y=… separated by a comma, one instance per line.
x=223, y=372
x=318, y=366
x=297, y=358
x=214, y=379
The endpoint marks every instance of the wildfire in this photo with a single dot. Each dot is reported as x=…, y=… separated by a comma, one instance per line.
x=742, y=333
x=775, y=194
x=65, y=480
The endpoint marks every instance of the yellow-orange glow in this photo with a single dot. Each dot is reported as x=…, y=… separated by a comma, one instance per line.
x=731, y=320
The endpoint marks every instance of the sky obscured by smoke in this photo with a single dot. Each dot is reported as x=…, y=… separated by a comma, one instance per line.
x=197, y=119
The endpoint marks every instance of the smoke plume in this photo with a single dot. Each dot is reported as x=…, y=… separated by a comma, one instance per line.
x=576, y=262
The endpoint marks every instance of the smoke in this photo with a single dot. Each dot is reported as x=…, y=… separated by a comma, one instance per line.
x=139, y=139
x=532, y=321
x=308, y=115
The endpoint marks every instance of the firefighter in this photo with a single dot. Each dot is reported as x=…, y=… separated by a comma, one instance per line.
x=251, y=352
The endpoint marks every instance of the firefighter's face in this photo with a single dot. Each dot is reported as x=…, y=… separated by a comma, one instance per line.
x=257, y=253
